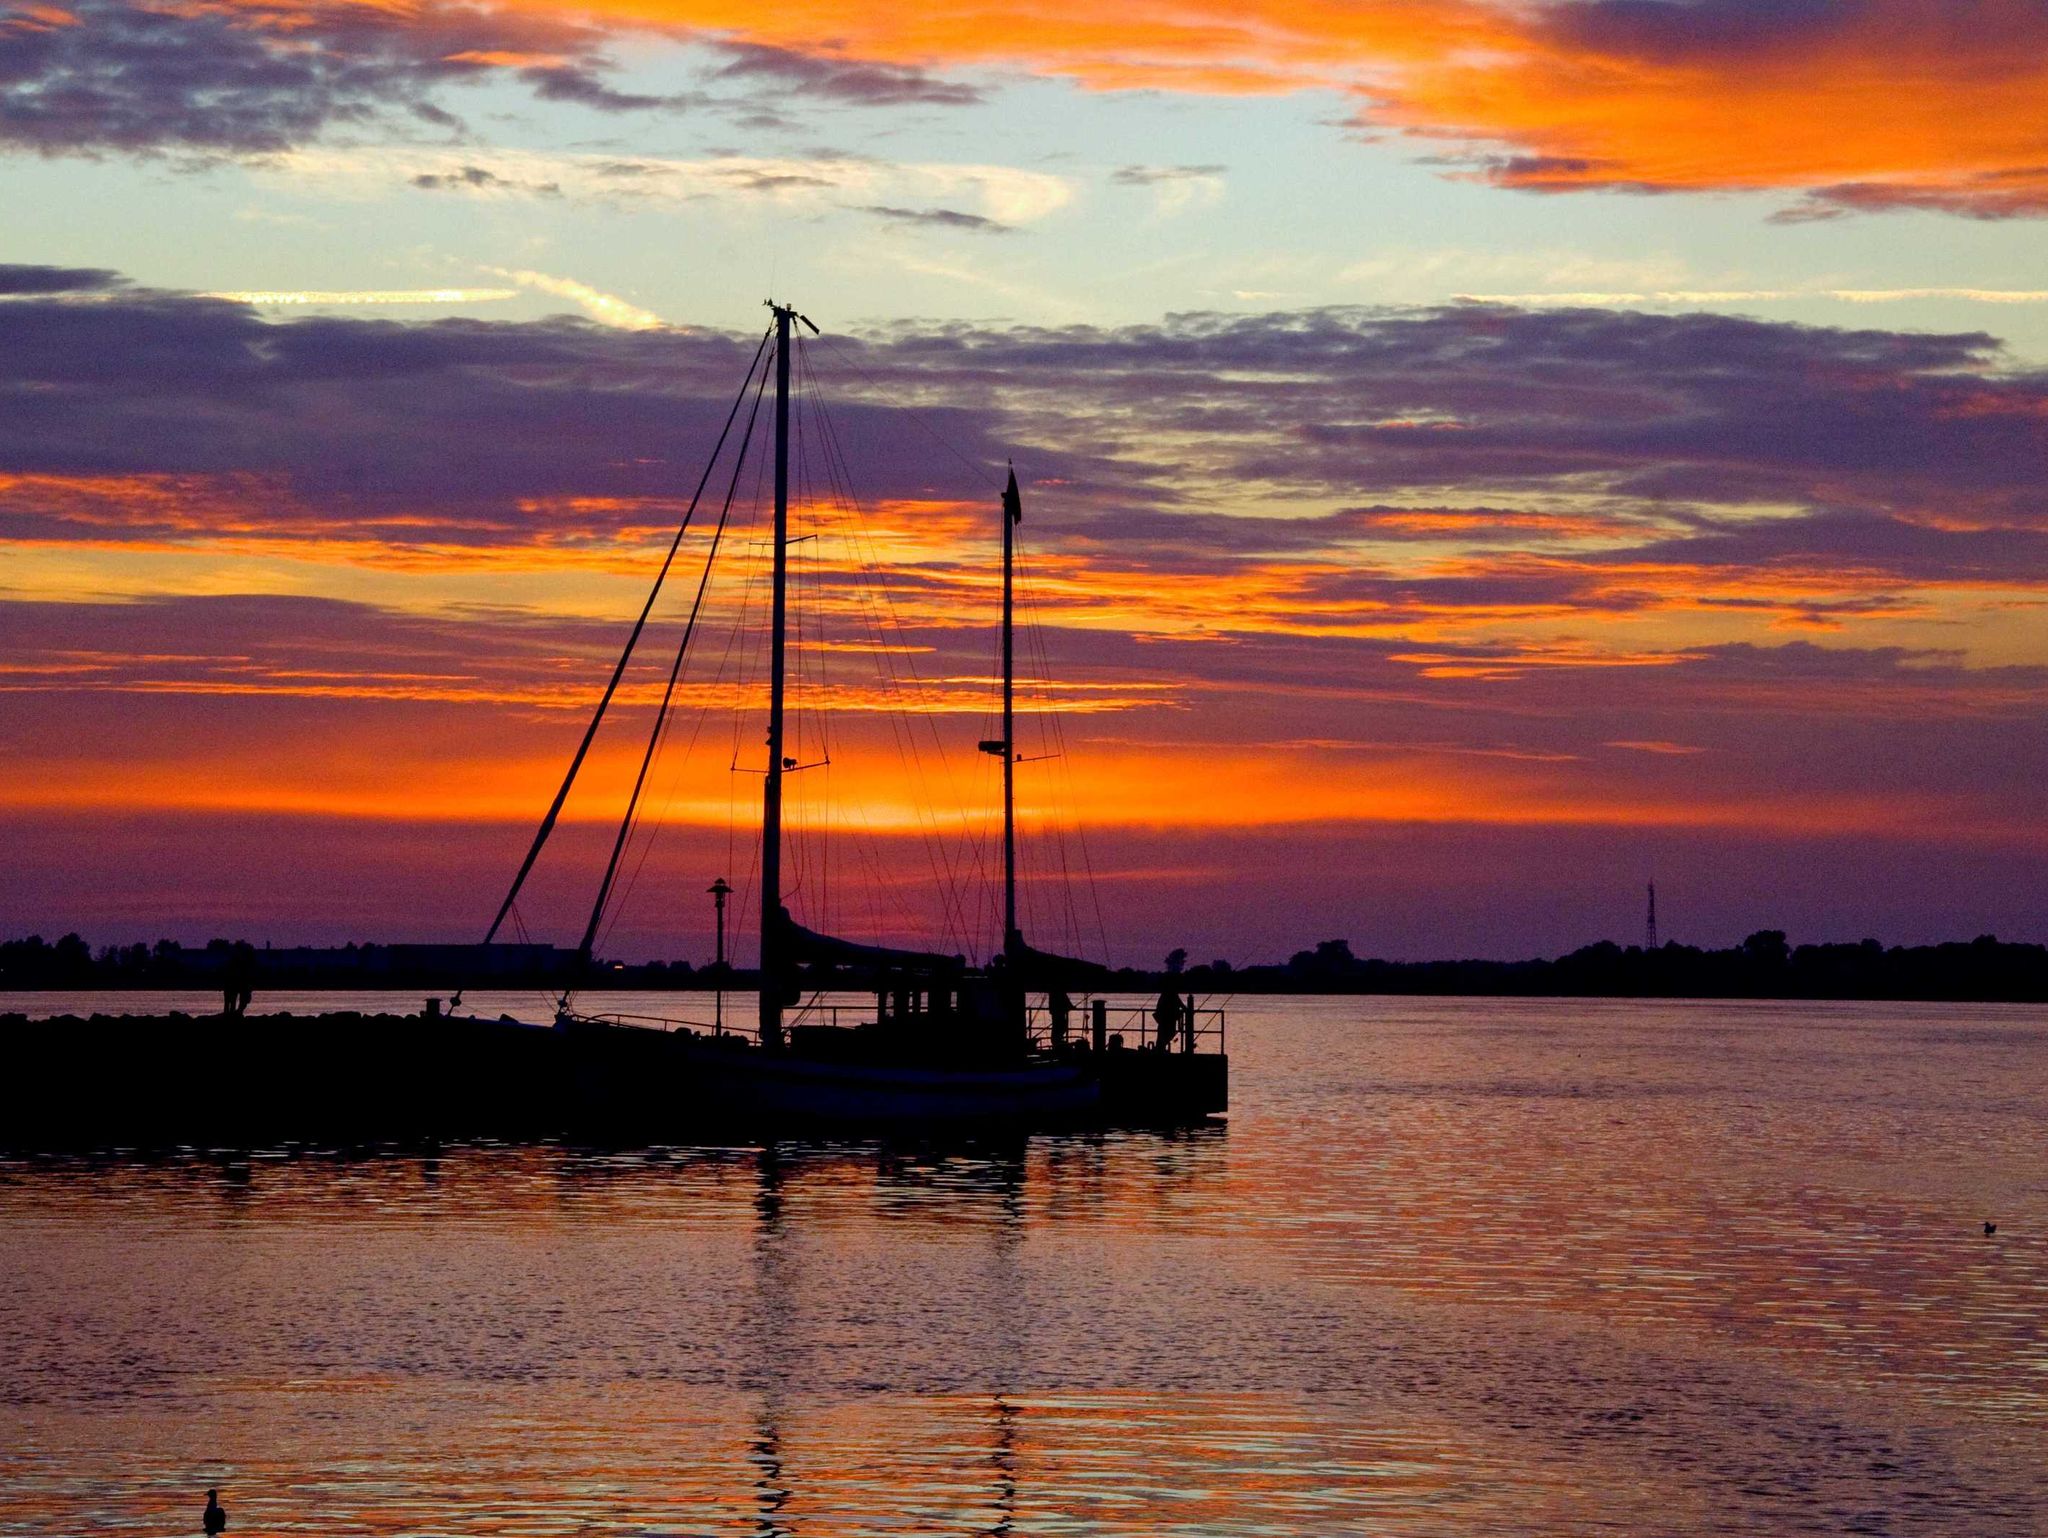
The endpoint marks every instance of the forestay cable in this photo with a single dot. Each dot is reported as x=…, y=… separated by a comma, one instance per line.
x=547, y=823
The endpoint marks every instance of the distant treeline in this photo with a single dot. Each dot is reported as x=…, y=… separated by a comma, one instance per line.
x=1765, y=966
x=73, y=963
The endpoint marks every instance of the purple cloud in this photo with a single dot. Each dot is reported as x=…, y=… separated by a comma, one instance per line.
x=1599, y=439
x=940, y=219
x=854, y=82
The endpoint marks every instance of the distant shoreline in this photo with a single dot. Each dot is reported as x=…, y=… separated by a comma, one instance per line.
x=1134, y=984
x=1764, y=966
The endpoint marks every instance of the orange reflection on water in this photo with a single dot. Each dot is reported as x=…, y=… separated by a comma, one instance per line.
x=1453, y=1265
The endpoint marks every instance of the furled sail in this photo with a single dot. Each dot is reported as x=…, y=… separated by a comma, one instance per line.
x=809, y=946
x=1029, y=967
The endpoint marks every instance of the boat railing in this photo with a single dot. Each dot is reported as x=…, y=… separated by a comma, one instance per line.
x=829, y=1014
x=657, y=1023
x=1133, y=1024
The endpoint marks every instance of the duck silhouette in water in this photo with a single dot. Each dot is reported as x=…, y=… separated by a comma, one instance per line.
x=216, y=1519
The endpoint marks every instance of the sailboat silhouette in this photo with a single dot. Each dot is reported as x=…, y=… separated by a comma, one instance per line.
x=944, y=1042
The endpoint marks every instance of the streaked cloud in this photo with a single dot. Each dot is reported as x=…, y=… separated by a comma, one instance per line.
x=938, y=219
x=1001, y=194
x=815, y=73
x=1678, y=749
x=38, y=282
x=606, y=309
x=1176, y=189
x=332, y=298
x=1715, y=297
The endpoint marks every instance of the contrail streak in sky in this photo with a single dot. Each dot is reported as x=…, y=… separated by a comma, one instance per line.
x=321, y=298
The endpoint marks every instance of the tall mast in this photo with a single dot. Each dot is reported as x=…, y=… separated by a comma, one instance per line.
x=773, y=964
x=1013, y=512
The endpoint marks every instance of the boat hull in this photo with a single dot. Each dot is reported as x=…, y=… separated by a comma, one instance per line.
x=777, y=1087
x=698, y=1082
x=147, y=1081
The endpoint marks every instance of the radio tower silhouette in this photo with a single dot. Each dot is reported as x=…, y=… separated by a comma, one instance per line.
x=1650, y=924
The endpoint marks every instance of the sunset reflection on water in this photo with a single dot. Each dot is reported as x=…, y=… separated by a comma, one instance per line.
x=1528, y=1267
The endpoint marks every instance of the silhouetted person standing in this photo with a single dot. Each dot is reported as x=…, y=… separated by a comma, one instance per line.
x=1166, y=1015
x=1061, y=1009
x=216, y=1519
x=238, y=979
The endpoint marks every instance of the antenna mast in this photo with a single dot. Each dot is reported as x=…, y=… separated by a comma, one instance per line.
x=1650, y=926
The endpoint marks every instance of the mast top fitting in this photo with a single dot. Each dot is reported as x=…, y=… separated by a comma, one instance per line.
x=793, y=313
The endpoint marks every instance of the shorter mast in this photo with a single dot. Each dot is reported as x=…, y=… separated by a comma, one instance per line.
x=1006, y=745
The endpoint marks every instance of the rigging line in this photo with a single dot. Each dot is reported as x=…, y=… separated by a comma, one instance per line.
x=753, y=663
x=1052, y=744
x=815, y=612
x=611, y=895
x=554, y=812
x=736, y=658
x=654, y=737
x=959, y=915
x=519, y=929
x=799, y=833
x=623, y=892
x=946, y=877
x=702, y=716
x=699, y=723
x=811, y=829
x=739, y=676
x=1059, y=730
x=813, y=683
x=865, y=565
x=646, y=846
x=838, y=499
x=916, y=415
x=835, y=495
x=1049, y=733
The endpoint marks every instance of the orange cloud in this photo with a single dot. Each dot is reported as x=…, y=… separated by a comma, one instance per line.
x=1885, y=103
x=1254, y=46
x=1927, y=103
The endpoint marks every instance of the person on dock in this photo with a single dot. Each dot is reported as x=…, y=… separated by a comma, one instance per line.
x=237, y=979
x=215, y=1520
x=1061, y=1009
x=1166, y=1015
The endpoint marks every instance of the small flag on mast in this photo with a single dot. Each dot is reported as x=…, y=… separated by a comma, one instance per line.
x=1013, y=502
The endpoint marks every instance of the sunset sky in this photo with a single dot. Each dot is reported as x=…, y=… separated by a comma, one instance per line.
x=1478, y=456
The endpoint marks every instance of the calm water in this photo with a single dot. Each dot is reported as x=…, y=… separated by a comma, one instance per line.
x=1453, y=1266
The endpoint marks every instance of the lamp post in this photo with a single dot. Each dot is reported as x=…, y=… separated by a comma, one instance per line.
x=720, y=890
